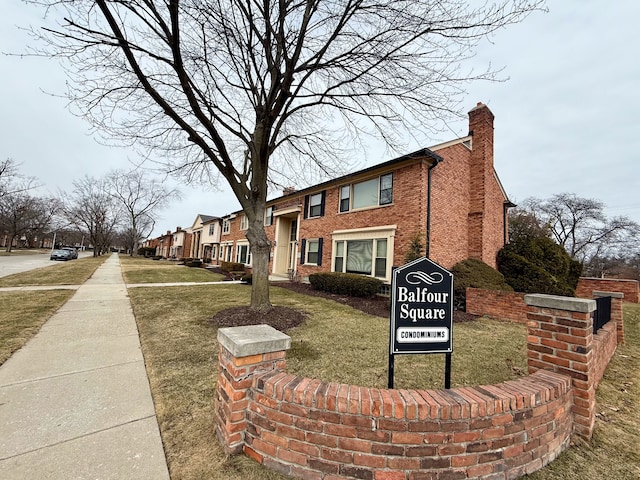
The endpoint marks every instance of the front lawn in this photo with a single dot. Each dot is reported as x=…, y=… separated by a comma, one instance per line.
x=145, y=270
x=339, y=343
x=72, y=272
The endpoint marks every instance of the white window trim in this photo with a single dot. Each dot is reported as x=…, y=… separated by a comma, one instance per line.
x=227, y=224
x=350, y=185
x=387, y=232
x=306, y=253
x=237, y=255
x=244, y=222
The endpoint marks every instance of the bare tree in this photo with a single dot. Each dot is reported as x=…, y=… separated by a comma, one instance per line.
x=93, y=210
x=24, y=216
x=263, y=91
x=140, y=197
x=581, y=226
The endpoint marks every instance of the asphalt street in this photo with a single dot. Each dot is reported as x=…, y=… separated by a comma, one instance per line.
x=23, y=262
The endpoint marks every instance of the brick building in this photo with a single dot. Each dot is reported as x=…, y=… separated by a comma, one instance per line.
x=448, y=195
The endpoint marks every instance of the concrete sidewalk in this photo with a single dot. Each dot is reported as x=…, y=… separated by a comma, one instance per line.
x=75, y=401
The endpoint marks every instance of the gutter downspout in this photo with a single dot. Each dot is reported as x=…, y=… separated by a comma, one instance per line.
x=427, y=250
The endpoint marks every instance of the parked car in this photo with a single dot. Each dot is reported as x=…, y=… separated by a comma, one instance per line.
x=72, y=251
x=61, y=255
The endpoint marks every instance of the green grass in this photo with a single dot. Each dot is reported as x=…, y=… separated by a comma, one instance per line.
x=73, y=272
x=23, y=313
x=145, y=270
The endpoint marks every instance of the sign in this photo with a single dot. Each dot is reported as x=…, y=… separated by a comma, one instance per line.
x=421, y=308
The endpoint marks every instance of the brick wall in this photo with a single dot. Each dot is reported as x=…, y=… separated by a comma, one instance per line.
x=321, y=430
x=560, y=338
x=586, y=287
x=497, y=304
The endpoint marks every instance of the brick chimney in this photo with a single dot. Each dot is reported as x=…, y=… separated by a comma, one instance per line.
x=481, y=169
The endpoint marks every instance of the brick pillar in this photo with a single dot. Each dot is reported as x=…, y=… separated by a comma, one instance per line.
x=560, y=339
x=244, y=352
x=616, y=311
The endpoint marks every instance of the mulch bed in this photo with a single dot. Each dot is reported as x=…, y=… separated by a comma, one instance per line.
x=283, y=318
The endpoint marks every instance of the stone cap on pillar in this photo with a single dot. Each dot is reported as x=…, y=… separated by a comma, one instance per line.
x=600, y=294
x=253, y=340
x=570, y=304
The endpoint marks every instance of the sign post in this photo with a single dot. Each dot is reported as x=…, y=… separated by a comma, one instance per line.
x=421, y=312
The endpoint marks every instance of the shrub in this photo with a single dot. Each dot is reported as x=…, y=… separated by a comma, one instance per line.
x=156, y=257
x=193, y=262
x=231, y=267
x=415, y=248
x=539, y=265
x=476, y=274
x=345, y=284
x=247, y=278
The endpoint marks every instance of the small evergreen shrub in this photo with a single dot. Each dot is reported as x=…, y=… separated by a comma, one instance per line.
x=156, y=257
x=247, y=278
x=476, y=274
x=345, y=284
x=193, y=262
x=231, y=267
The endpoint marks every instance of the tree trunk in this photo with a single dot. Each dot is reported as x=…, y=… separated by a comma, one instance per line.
x=260, y=253
x=10, y=243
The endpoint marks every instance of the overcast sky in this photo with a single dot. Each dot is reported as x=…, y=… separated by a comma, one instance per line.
x=565, y=120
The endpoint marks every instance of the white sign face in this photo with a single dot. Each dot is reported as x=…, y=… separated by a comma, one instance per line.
x=422, y=335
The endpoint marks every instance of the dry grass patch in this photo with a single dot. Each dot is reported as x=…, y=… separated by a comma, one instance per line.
x=336, y=343
x=23, y=313
x=145, y=270
x=31, y=251
x=73, y=272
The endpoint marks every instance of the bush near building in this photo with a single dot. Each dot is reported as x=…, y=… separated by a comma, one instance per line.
x=476, y=274
x=345, y=284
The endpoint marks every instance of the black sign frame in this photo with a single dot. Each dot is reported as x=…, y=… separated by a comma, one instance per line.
x=421, y=320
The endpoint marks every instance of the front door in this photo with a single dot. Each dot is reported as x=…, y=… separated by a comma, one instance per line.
x=293, y=246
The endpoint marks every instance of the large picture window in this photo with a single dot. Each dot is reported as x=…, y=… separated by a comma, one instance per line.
x=364, y=257
x=367, y=194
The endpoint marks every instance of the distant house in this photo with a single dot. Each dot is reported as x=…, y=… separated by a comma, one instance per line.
x=205, y=237
x=181, y=244
x=449, y=196
x=164, y=244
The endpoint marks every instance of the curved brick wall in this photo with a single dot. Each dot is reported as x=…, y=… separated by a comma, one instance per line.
x=317, y=430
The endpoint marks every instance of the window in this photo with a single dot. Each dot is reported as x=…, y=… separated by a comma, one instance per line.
x=364, y=257
x=243, y=253
x=228, y=255
x=212, y=229
x=311, y=252
x=214, y=252
x=226, y=226
x=345, y=195
x=268, y=216
x=314, y=205
x=370, y=193
x=244, y=222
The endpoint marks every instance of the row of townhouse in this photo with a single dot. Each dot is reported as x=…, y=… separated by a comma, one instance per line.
x=448, y=195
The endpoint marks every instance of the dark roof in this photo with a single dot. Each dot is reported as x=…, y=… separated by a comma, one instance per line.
x=206, y=218
x=422, y=153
